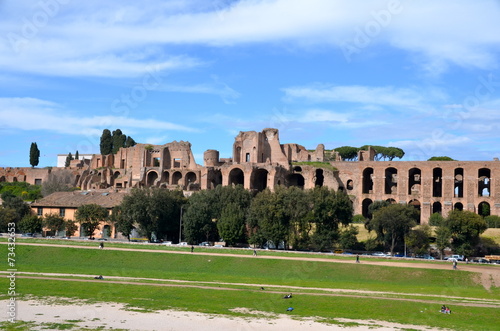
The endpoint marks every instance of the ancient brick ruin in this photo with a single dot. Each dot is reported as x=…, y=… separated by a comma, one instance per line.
x=260, y=161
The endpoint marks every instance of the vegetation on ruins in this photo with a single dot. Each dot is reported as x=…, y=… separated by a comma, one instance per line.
x=441, y=158
x=23, y=190
x=112, y=142
x=69, y=158
x=57, y=181
x=349, y=153
x=34, y=155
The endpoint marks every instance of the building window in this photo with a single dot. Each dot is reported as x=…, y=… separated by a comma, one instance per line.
x=62, y=212
x=39, y=211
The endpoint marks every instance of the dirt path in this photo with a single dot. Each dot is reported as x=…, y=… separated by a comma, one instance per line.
x=488, y=276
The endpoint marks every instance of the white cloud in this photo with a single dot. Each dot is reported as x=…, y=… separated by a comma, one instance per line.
x=34, y=114
x=93, y=38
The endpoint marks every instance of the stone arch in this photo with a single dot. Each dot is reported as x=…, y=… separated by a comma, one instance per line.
x=484, y=209
x=437, y=182
x=214, y=178
x=190, y=178
x=364, y=207
x=367, y=181
x=2, y=179
x=151, y=178
x=458, y=188
x=349, y=185
x=320, y=178
x=236, y=177
x=414, y=180
x=391, y=180
x=415, y=203
x=483, y=185
x=116, y=174
x=297, y=169
x=458, y=206
x=296, y=180
x=258, y=180
x=391, y=201
x=176, y=178
x=437, y=207
x=165, y=177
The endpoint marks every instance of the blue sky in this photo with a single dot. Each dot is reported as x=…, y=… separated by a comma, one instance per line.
x=420, y=75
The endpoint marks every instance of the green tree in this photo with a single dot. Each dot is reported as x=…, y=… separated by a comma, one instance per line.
x=392, y=223
x=17, y=204
x=348, y=237
x=130, y=142
x=119, y=140
x=330, y=210
x=71, y=227
x=297, y=204
x=54, y=223
x=441, y=158
x=30, y=224
x=443, y=239
x=418, y=240
x=154, y=210
x=68, y=160
x=7, y=215
x=347, y=152
x=122, y=224
x=436, y=219
x=492, y=221
x=106, y=144
x=231, y=224
x=465, y=228
x=77, y=156
x=34, y=155
x=90, y=217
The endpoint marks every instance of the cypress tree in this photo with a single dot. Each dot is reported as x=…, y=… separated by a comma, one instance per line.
x=77, y=155
x=68, y=160
x=106, y=142
x=34, y=155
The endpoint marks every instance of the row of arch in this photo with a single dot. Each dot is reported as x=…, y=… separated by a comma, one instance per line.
x=483, y=208
x=415, y=181
x=174, y=178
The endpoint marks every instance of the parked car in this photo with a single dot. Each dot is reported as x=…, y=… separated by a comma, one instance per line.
x=455, y=257
x=205, y=243
x=379, y=254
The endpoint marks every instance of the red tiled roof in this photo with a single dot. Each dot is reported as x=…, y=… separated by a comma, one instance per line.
x=78, y=198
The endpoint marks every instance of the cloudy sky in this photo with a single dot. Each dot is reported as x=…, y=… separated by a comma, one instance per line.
x=420, y=75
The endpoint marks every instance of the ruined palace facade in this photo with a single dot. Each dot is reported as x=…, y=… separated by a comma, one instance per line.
x=260, y=161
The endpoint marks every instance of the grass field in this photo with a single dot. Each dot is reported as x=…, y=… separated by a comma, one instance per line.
x=404, y=295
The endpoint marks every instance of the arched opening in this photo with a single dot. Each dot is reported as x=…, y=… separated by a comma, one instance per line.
x=391, y=181
x=297, y=169
x=367, y=181
x=483, y=185
x=483, y=209
x=459, y=183
x=152, y=176
x=391, y=201
x=236, y=177
x=414, y=180
x=319, y=178
x=165, y=177
x=259, y=180
x=214, y=178
x=437, y=182
x=364, y=207
x=458, y=206
x=415, y=203
x=176, y=177
x=296, y=180
x=350, y=185
x=437, y=207
x=2, y=179
x=237, y=155
x=190, y=178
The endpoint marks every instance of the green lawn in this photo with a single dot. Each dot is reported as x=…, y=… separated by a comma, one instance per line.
x=254, y=271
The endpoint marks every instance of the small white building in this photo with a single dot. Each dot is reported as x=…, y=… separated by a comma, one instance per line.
x=61, y=158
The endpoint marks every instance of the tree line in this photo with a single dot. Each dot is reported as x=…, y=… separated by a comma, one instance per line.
x=350, y=153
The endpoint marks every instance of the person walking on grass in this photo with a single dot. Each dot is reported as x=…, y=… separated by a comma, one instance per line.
x=357, y=258
x=455, y=264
